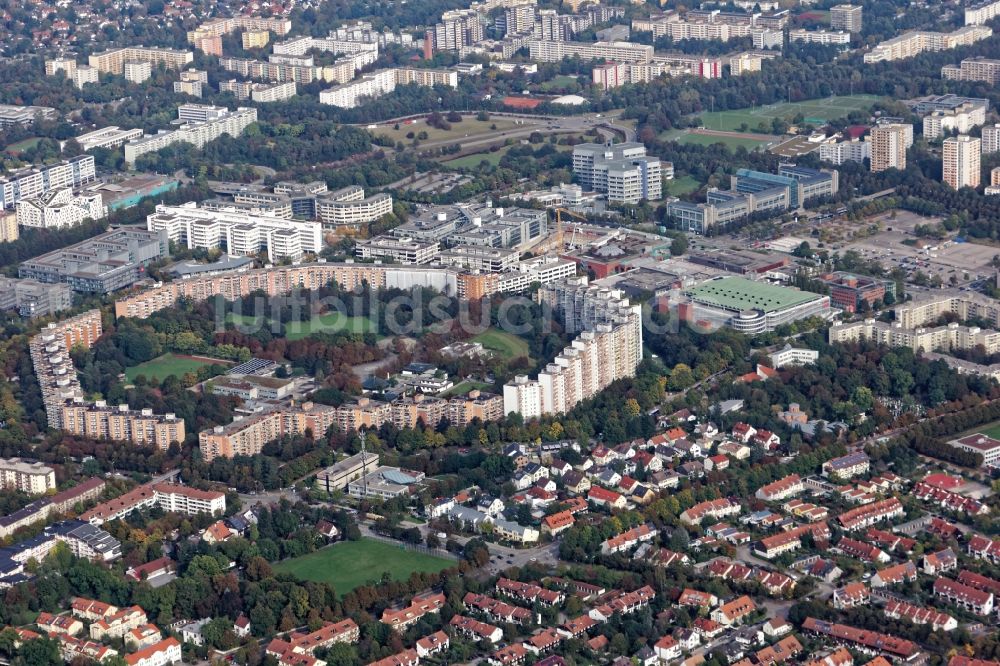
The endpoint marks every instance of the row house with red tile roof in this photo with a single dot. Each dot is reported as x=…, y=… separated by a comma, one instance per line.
x=866, y=516
x=432, y=644
x=91, y=609
x=980, y=582
x=667, y=649
x=934, y=564
x=773, y=582
x=839, y=657
x=782, y=489
x=902, y=610
x=871, y=641
x=58, y=624
x=851, y=595
x=942, y=528
x=557, y=523
x=664, y=557
x=543, y=641
x=607, y=498
x=975, y=601
x=717, y=509
x=512, y=655
x=475, y=629
x=404, y=658
x=697, y=598
x=984, y=548
x=890, y=541
x=577, y=627
x=624, y=603
x=783, y=542
x=862, y=551
x=949, y=500
x=119, y=624
x=71, y=648
x=628, y=539
x=785, y=649
x=894, y=575
x=420, y=605
x=499, y=611
x=529, y=592
x=962, y=660
x=345, y=631
x=806, y=510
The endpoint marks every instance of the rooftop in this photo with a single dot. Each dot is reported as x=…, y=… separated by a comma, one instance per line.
x=733, y=293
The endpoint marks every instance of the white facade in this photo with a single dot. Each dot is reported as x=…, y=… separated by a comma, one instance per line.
x=60, y=208
x=845, y=151
x=959, y=120
x=961, y=161
x=241, y=234
x=31, y=183
x=372, y=85
x=819, y=37
x=197, y=133
x=138, y=71
x=31, y=478
x=107, y=137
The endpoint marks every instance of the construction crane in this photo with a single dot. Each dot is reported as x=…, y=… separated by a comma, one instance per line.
x=556, y=240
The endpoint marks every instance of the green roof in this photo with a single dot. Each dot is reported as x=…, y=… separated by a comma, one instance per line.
x=735, y=293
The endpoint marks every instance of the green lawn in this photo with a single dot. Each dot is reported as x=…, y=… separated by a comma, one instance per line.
x=472, y=161
x=682, y=185
x=468, y=127
x=19, y=147
x=560, y=82
x=168, y=364
x=332, y=322
x=462, y=388
x=815, y=111
x=731, y=142
x=506, y=344
x=991, y=430
x=350, y=564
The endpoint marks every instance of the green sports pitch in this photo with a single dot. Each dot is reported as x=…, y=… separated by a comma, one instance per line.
x=814, y=111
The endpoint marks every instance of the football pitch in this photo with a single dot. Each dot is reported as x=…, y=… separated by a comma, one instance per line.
x=814, y=111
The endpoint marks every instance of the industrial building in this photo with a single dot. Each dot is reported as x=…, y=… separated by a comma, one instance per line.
x=749, y=307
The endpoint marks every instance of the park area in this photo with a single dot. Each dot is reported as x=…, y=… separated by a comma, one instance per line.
x=469, y=127
x=814, y=111
x=506, y=344
x=475, y=159
x=350, y=564
x=332, y=322
x=169, y=364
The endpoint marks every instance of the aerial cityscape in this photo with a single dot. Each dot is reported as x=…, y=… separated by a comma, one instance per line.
x=519, y=332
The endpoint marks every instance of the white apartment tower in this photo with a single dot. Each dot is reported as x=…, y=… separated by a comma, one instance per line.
x=846, y=17
x=961, y=163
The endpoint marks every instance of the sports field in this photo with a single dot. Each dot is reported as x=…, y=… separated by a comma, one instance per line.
x=462, y=388
x=730, y=141
x=506, y=344
x=349, y=564
x=991, y=430
x=815, y=111
x=333, y=322
x=168, y=364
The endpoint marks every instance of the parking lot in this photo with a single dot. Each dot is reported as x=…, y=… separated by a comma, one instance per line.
x=965, y=262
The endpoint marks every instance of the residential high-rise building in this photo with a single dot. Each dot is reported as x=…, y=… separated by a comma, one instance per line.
x=142, y=427
x=889, y=144
x=8, y=226
x=840, y=37
x=32, y=478
x=961, y=119
x=961, y=161
x=114, y=61
x=982, y=12
x=458, y=28
x=247, y=436
x=991, y=138
x=915, y=42
x=52, y=363
x=608, y=348
x=36, y=182
x=846, y=17
x=195, y=132
x=542, y=50
x=622, y=171
x=973, y=69
x=138, y=71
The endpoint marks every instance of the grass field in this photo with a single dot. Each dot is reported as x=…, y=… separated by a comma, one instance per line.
x=682, y=185
x=991, y=430
x=20, y=146
x=472, y=161
x=506, y=344
x=464, y=387
x=815, y=111
x=468, y=127
x=333, y=322
x=168, y=364
x=560, y=82
x=349, y=564
x=731, y=142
